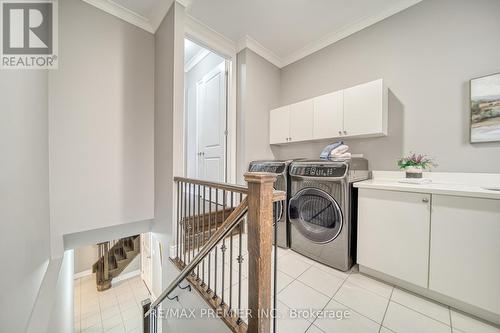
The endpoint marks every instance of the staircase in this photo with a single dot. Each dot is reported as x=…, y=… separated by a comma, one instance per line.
x=223, y=248
x=112, y=261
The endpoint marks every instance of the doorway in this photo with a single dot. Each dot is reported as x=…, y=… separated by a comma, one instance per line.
x=205, y=91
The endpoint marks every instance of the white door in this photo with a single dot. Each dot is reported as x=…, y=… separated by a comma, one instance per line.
x=329, y=115
x=393, y=233
x=301, y=121
x=146, y=259
x=279, y=125
x=365, y=109
x=211, y=125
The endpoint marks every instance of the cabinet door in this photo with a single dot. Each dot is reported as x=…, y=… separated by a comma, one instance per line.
x=365, y=109
x=465, y=250
x=393, y=233
x=279, y=125
x=301, y=121
x=329, y=115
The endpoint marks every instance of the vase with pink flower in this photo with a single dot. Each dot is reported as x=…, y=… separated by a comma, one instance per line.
x=415, y=164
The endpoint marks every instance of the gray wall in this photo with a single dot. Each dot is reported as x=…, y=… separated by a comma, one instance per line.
x=24, y=194
x=426, y=54
x=258, y=90
x=101, y=118
x=85, y=257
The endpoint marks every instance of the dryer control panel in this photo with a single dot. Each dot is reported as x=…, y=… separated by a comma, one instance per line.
x=319, y=170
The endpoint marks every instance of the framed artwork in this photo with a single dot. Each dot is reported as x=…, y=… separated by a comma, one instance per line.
x=485, y=109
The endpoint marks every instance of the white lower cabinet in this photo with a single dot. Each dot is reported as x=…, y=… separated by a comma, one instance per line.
x=393, y=233
x=465, y=250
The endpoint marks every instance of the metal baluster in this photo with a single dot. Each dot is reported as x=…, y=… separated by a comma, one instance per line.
x=184, y=239
x=275, y=271
x=216, y=248
x=189, y=222
x=204, y=239
x=193, y=218
x=178, y=219
x=231, y=261
x=223, y=247
x=209, y=235
x=240, y=260
x=198, y=234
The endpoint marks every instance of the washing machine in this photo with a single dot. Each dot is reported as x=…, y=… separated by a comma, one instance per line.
x=280, y=208
x=323, y=209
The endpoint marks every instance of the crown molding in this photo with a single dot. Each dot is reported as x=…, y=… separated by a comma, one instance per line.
x=252, y=44
x=123, y=13
x=346, y=31
x=159, y=13
x=208, y=37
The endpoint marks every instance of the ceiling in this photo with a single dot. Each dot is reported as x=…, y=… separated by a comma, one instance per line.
x=283, y=31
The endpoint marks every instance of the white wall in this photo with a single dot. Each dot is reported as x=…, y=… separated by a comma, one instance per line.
x=62, y=313
x=169, y=131
x=24, y=194
x=258, y=92
x=101, y=118
x=192, y=77
x=426, y=54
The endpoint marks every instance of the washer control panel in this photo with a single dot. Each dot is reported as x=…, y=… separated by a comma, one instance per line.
x=267, y=167
x=319, y=170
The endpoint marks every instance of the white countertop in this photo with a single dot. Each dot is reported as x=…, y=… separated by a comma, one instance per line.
x=457, y=184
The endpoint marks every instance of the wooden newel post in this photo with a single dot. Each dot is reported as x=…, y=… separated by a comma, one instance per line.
x=260, y=243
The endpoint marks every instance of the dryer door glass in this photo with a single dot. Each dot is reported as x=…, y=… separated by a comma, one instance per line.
x=316, y=215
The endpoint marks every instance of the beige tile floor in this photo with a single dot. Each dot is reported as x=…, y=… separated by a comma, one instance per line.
x=374, y=306
x=116, y=310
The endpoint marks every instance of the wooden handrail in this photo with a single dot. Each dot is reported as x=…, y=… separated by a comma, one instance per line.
x=217, y=185
x=277, y=195
x=257, y=203
x=229, y=224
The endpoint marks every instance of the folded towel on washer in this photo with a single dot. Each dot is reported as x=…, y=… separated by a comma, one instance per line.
x=341, y=157
x=342, y=149
x=326, y=153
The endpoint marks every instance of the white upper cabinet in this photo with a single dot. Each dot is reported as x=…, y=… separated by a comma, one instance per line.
x=365, y=109
x=301, y=121
x=329, y=115
x=279, y=125
x=360, y=111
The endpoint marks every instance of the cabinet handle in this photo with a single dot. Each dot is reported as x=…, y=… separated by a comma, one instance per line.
x=425, y=200
x=340, y=132
x=345, y=132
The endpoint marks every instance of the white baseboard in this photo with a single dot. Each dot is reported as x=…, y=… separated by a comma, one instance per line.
x=126, y=276
x=83, y=274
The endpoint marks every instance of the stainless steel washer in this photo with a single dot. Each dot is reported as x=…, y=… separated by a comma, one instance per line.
x=322, y=210
x=280, y=209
